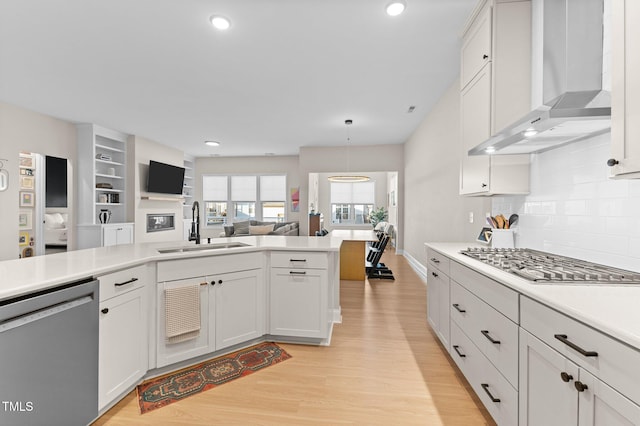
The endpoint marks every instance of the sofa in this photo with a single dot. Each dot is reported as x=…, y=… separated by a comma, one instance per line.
x=256, y=227
x=55, y=229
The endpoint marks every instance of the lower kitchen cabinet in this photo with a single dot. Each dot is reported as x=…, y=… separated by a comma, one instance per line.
x=123, y=354
x=556, y=391
x=298, y=303
x=90, y=236
x=438, y=305
x=239, y=301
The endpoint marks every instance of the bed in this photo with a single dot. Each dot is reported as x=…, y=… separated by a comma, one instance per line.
x=55, y=229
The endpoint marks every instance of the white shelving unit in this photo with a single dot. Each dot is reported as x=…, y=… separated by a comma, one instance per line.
x=102, y=161
x=189, y=186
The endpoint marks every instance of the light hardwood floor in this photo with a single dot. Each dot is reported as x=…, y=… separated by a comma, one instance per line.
x=384, y=367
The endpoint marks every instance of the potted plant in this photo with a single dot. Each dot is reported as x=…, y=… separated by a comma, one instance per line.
x=378, y=215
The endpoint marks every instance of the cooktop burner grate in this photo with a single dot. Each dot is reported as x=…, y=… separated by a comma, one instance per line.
x=544, y=267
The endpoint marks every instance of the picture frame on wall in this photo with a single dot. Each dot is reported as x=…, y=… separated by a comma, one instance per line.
x=27, y=199
x=23, y=238
x=25, y=219
x=26, y=161
x=27, y=182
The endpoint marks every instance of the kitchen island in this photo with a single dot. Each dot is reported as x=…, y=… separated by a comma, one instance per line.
x=251, y=289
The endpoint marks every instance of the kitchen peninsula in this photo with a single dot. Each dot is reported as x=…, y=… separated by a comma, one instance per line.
x=251, y=289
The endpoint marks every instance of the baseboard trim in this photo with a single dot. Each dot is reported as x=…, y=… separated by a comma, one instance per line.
x=420, y=269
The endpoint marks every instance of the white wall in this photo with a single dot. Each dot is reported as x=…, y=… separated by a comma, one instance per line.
x=141, y=151
x=249, y=165
x=23, y=130
x=574, y=209
x=433, y=210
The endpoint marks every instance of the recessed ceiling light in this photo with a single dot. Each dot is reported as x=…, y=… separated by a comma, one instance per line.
x=396, y=8
x=212, y=143
x=220, y=22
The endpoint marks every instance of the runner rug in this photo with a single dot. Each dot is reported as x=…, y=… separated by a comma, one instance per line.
x=167, y=389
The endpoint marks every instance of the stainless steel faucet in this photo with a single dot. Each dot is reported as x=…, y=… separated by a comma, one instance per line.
x=194, y=235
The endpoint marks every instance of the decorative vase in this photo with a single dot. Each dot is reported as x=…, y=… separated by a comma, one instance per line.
x=104, y=216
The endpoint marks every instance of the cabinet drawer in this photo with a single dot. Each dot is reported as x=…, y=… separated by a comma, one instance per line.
x=438, y=261
x=485, y=379
x=494, y=334
x=201, y=266
x=502, y=298
x=122, y=281
x=614, y=363
x=299, y=260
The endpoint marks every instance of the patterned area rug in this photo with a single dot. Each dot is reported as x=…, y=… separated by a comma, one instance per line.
x=167, y=389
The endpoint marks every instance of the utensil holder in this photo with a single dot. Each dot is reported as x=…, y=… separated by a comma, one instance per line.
x=502, y=238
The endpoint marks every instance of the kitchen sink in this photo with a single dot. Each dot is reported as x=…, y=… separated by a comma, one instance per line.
x=202, y=247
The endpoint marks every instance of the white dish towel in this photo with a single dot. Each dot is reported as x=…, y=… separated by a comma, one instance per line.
x=182, y=313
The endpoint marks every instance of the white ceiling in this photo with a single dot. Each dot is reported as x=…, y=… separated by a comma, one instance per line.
x=285, y=75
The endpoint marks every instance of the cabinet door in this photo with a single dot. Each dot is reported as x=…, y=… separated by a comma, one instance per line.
x=476, y=46
x=169, y=353
x=298, y=303
x=475, y=127
x=123, y=348
x=545, y=397
x=109, y=236
x=438, y=304
x=239, y=307
x=625, y=91
x=600, y=405
x=124, y=234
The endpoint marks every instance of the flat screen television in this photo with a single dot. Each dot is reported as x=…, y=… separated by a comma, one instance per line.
x=165, y=178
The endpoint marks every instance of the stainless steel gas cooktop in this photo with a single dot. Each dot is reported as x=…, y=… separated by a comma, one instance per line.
x=550, y=268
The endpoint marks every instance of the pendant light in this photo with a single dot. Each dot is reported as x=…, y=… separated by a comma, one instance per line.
x=346, y=178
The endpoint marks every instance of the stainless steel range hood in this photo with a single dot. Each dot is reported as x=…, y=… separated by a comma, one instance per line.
x=567, y=81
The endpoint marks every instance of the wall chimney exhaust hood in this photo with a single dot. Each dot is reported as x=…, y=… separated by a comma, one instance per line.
x=567, y=42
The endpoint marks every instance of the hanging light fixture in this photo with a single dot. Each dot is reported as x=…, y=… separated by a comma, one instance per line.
x=346, y=178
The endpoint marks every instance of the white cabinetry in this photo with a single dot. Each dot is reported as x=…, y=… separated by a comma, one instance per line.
x=188, y=189
x=495, y=91
x=104, y=235
x=484, y=339
x=572, y=374
x=625, y=91
x=123, y=358
x=438, y=295
x=231, y=303
x=298, y=294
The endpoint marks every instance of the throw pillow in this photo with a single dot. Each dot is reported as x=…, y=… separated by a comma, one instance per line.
x=260, y=229
x=241, y=228
x=228, y=230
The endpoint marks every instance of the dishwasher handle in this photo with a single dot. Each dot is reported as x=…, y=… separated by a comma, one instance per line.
x=47, y=311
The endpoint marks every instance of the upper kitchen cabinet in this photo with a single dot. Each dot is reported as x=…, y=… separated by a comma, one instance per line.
x=625, y=90
x=495, y=90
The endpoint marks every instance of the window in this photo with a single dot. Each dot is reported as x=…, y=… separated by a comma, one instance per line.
x=351, y=203
x=230, y=199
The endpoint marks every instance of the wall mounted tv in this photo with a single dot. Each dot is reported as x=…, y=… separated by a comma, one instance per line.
x=165, y=178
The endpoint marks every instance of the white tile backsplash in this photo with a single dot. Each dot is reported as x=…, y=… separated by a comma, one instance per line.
x=574, y=209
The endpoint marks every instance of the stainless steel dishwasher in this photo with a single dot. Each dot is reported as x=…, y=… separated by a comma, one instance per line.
x=49, y=356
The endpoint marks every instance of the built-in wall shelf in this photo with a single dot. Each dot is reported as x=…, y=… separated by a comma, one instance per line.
x=160, y=198
x=108, y=176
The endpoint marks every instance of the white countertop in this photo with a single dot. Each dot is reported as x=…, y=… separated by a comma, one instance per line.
x=354, y=234
x=23, y=276
x=612, y=309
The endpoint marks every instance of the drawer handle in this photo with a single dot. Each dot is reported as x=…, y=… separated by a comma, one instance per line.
x=580, y=387
x=460, y=354
x=434, y=260
x=566, y=377
x=485, y=386
x=297, y=272
x=434, y=274
x=564, y=339
x=485, y=333
x=457, y=306
x=297, y=260
x=132, y=280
